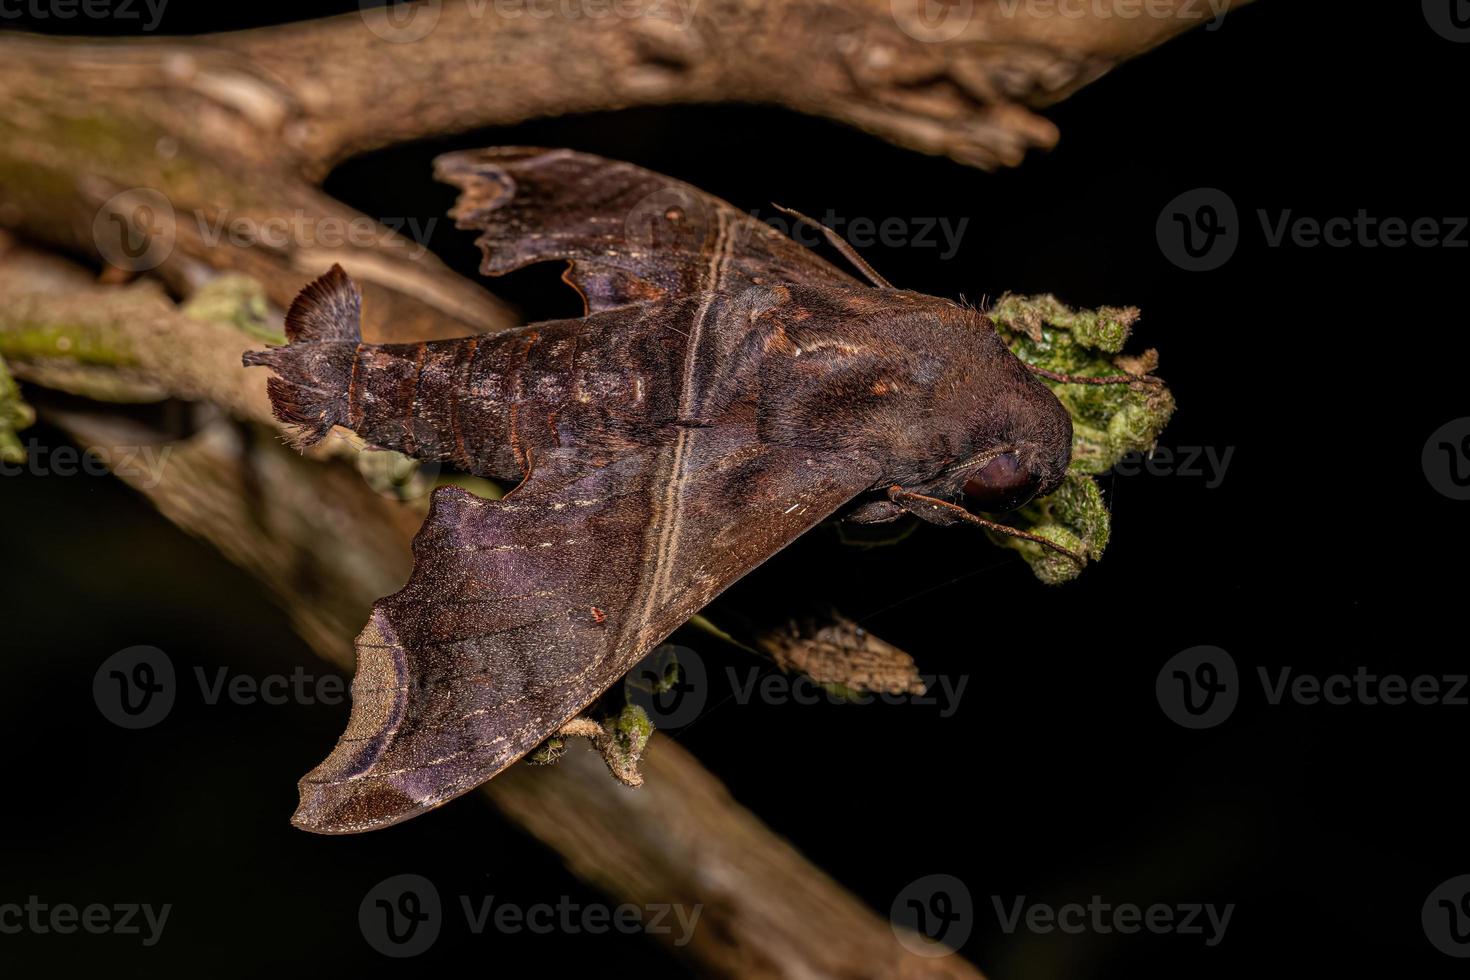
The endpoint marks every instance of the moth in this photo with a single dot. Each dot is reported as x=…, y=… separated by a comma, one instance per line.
x=725, y=391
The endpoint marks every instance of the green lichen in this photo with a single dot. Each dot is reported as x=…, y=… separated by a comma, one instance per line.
x=1109, y=421
x=549, y=752
x=1112, y=421
x=628, y=737
x=14, y=416
x=1104, y=329
x=620, y=740
x=116, y=150
x=1074, y=517
x=24, y=339
x=1047, y=565
x=238, y=301
x=632, y=729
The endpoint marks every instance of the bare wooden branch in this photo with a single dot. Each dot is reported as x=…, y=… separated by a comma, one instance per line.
x=169, y=159
x=957, y=79
x=185, y=158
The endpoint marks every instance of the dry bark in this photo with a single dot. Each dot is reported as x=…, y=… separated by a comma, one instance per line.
x=240, y=126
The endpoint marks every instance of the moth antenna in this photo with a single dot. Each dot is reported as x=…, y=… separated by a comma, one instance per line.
x=957, y=512
x=841, y=244
x=1083, y=379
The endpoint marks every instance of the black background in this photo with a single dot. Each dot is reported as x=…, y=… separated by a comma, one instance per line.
x=1323, y=548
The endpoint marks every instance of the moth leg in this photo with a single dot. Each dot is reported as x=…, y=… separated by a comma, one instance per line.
x=874, y=512
x=1085, y=379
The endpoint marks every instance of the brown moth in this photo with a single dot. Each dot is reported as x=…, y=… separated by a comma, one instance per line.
x=726, y=391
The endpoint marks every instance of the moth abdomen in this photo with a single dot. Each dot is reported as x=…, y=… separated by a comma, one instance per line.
x=314, y=371
x=487, y=404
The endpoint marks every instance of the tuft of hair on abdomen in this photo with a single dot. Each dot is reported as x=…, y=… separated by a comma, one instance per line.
x=314, y=370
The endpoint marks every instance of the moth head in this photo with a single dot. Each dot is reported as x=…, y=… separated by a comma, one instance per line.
x=1019, y=448
x=1014, y=445
x=1001, y=483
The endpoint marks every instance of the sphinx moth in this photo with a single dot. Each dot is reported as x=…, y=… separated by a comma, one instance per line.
x=726, y=391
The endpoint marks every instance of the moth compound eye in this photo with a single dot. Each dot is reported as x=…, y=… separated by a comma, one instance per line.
x=1000, y=485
